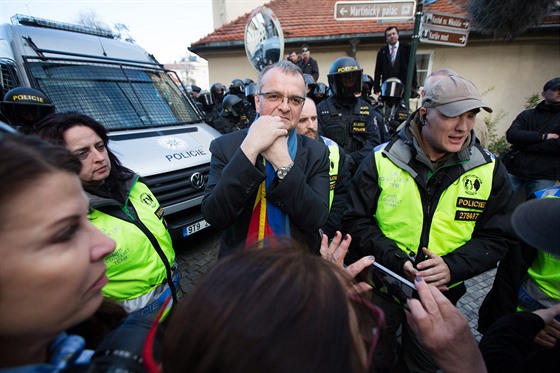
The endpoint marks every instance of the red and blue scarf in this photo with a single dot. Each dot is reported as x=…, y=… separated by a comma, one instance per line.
x=268, y=220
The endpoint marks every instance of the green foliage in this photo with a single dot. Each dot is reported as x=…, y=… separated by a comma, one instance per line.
x=496, y=144
x=532, y=101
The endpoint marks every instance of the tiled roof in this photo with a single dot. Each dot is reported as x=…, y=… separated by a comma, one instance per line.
x=314, y=19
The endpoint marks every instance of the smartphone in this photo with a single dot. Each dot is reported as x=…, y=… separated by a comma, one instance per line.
x=389, y=285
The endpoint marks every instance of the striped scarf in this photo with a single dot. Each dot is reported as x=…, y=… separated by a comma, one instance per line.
x=268, y=220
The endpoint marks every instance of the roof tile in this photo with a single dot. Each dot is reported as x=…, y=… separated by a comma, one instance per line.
x=315, y=18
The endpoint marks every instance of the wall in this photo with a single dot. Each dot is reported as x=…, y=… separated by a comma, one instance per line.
x=505, y=72
x=225, y=11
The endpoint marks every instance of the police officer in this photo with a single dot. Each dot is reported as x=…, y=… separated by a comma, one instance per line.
x=344, y=117
x=205, y=102
x=320, y=93
x=217, y=91
x=311, y=84
x=233, y=116
x=367, y=88
x=22, y=107
x=237, y=87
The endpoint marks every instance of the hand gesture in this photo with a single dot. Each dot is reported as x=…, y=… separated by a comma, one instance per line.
x=434, y=270
x=262, y=134
x=443, y=330
x=336, y=251
x=549, y=336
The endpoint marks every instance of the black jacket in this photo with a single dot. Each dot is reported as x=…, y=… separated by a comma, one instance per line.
x=536, y=158
x=492, y=235
x=310, y=67
x=508, y=346
x=384, y=70
x=355, y=127
x=234, y=181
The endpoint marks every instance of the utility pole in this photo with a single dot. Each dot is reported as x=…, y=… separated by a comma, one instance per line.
x=412, y=59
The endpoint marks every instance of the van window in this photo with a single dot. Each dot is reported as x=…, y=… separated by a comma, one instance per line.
x=8, y=76
x=121, y=96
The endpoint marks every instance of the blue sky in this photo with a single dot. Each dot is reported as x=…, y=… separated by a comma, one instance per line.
x=164, y=28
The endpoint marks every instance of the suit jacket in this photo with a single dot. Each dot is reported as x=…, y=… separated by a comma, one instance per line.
x=233, y=184
x=384, y=70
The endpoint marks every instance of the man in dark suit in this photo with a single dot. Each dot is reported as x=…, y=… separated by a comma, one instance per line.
x=268, y=182
x=392, y=61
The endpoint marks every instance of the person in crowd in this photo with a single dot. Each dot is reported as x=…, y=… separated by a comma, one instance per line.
x=250, y=93
x=267, y=181
x=430, y=203
x=195, y=91
x=141, y=270
x=339, y=175
x=528, y=278
x=310, y=83
x=52, y=257
x=347, y=119
x=217, y=91
x=294, y=57
x=535, y=137
x=308, y=64
x=274, y=318
x=530, y=337
x=480, y=128
x=392, y=62
x=320, y=93
x=237, y=88
x=23, y=107
x=367, y=88
x=247, y=81
x=233, y=116
x=206, y=104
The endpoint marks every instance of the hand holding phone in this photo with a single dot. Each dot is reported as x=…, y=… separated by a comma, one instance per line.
x=390, y=285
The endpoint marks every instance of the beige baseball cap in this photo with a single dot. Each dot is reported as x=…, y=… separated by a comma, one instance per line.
x=453, y=96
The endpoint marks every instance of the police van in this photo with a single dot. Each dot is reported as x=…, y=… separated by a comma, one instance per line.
x=154, y=128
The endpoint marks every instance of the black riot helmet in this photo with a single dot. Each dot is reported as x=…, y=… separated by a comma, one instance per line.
x=217, y=90
x=250, y=92
x=247, y=81
x=236, y=87
x=392, y=90
x=310, y=82
x=345, y=77
x=232, y=106
x=25, y=106
x=206, y=99
x=367, y=85
x=320, y=92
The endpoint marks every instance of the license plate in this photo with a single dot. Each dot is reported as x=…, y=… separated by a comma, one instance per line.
x=193, y=228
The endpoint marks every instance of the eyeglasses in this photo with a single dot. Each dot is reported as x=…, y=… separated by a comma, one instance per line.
x=371, y=320
x=277, y=98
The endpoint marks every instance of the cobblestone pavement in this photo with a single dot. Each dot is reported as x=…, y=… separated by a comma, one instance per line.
x=196, y=254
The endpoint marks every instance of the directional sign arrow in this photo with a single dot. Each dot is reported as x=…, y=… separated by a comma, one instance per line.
x=343, y=11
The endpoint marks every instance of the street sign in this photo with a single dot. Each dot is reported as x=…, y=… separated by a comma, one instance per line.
x=446, y=20
x=445, y=29
x=444, y=36
x=373, y=10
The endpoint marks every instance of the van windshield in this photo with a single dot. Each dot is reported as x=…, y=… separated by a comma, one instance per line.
x=120, y=96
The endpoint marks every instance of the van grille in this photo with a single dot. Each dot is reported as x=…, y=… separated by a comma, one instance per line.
x=175, y=187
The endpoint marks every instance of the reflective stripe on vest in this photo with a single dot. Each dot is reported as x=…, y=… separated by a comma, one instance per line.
x=400, y=213
x=334, y=158
x=135, y=268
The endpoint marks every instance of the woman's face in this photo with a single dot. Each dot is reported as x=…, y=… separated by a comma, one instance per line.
x=51, y=259
x=91, y=150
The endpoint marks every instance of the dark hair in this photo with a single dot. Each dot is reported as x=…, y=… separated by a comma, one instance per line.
x=390, y=28
x=270, y=310
x=24, y=159
x=53, y=127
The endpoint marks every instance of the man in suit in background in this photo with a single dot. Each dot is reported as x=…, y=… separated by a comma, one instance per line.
x=392, y=62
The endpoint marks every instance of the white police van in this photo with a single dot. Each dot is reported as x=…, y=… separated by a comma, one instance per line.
x=154, y=128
